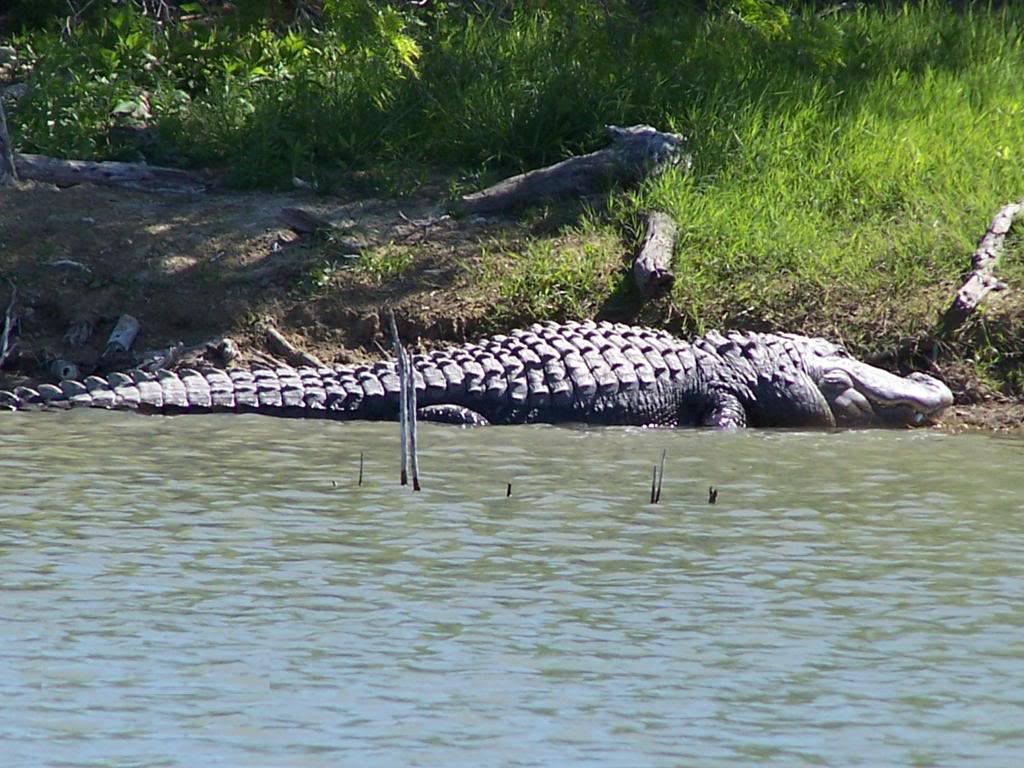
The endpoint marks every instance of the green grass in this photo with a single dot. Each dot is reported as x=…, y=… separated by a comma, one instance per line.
x=384, y=263
x=844, y=166
x=567, y=278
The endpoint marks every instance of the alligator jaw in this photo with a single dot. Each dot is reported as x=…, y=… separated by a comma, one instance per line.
x=861, y=392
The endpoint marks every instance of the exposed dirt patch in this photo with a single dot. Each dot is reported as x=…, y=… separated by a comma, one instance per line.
x=195, y=269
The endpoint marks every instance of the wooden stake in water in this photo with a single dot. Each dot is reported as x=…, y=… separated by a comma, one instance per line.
x=406, y=409
x=360, y=481
x=654, y=481
x=411, y=421
x=403, y=425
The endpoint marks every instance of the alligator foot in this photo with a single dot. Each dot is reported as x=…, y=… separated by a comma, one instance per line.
x=451, y=414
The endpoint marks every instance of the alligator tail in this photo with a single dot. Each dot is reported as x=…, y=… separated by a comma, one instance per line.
x=361, y=392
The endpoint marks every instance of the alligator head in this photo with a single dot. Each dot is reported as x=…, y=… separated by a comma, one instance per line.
x=861, y=394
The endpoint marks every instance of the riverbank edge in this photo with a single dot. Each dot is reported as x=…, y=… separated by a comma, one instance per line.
x=198, y=269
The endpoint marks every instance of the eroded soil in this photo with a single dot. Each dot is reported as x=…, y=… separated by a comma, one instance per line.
x=197, y=269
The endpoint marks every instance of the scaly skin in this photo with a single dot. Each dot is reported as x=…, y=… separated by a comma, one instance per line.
x=595, y=373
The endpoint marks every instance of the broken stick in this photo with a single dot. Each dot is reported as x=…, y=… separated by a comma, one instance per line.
x=6, y=346
x=292, y=355
x=981, y=279
x=652, y=267
x=8, y=171
x=635, y=153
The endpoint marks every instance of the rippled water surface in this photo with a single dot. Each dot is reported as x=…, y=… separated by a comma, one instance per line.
x=218, y=591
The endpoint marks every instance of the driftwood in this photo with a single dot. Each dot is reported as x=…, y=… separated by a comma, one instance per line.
x=279, y=345
x=138, y=176
x=634, y=154
x=8, y=171
x=652, y=267
x=981, y=280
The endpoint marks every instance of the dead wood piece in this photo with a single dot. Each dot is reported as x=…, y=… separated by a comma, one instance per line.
x=123, y=335
x=224, y=351
x=219, y=351
x=62, y=370
x=634, y=154
x=137, y=176
x=156, y=359
x=8, y=171
x=652, y=267
x=279, y=345
x=10, y=320
x=303, y=222
x=79, y=332
x=981, y=279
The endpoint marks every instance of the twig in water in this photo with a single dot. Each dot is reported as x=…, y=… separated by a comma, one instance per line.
x=661, y=476
x=654, y=482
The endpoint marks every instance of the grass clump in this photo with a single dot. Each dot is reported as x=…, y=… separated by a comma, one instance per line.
x=567, y=278
x=384, y=263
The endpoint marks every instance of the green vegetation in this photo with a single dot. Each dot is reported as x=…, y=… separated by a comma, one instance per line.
x=385, y=263
x=554, y=279
x=844, y=162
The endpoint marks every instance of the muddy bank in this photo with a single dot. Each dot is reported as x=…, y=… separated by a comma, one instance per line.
x=202, y=268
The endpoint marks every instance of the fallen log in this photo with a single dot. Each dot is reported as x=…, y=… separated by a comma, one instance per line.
x=981, y=279
x=279, y=345
x=635, y=153
x=137, y=176
x=652, y=267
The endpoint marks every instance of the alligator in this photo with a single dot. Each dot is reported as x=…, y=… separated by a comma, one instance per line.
x=589, y=372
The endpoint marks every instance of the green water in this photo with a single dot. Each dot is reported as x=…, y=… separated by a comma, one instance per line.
x=218, y=591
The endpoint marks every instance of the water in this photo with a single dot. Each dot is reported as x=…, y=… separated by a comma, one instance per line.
x=217, y=591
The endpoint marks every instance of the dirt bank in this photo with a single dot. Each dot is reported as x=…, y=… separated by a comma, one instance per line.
x=200, y=268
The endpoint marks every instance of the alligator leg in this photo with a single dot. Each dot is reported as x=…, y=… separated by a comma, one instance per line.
x=726, y=412
x=451, y=414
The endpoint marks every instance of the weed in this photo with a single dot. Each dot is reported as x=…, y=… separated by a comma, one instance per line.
x=384, y=263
